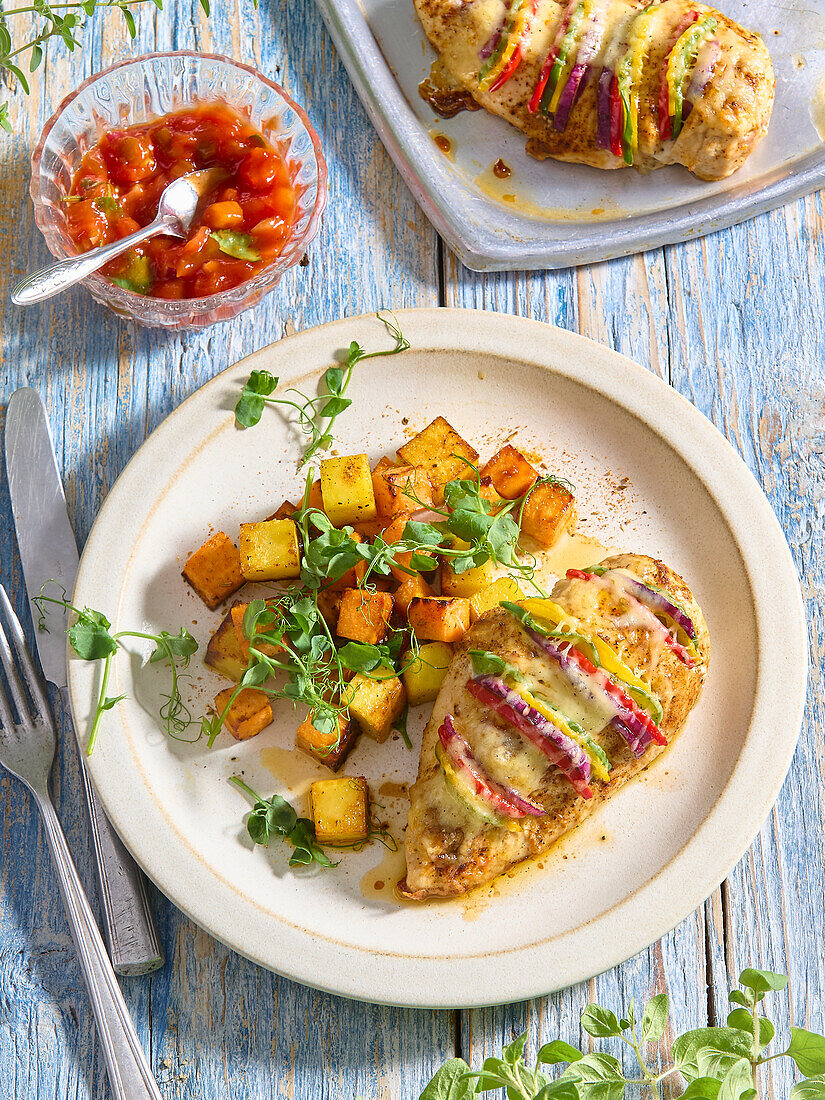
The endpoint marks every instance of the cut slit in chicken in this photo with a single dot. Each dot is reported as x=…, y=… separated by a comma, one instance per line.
x=610, y=82
x=483, y=766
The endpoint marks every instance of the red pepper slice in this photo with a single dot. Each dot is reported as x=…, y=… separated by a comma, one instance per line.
x=616, y=121
x=508, y=69
x=522, y=724
x=541, y=83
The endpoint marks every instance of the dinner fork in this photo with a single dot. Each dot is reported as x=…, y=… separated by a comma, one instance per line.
x=27, y=749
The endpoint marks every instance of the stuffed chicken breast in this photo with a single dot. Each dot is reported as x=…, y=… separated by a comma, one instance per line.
x=548, y=708
x=610, y=83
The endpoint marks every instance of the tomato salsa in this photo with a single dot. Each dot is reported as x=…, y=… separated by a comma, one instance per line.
x=241, y=226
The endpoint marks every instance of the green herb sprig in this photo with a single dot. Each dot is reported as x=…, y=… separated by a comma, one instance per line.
x=91, y=638
x=316, y=415
x=275, y=817
x=61, y=22
x=713, y=1063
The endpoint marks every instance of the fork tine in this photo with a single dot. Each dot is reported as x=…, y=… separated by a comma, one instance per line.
x=6, y=719
x=32, y=677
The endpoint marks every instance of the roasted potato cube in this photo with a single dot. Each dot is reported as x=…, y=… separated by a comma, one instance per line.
x=390, y=482
x=340, y=809
x=346, y=488
x=269, y=550
x=470, y=581
x=375, y=704
x=505, y=588
x=214, y=570
x=328, y=749
x=549, y=510
x=223, y=651
x=364, y=616
x=435, y=450
x=248, y=715
x=284, y=511
x=439, y=618
x=510, y=472
x=424, y=676
x=237, y=612
x=409, y=588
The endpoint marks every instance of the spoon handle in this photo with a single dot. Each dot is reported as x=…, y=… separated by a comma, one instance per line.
x=58, y=277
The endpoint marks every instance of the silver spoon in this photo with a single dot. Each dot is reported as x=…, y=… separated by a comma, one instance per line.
x=177, y=207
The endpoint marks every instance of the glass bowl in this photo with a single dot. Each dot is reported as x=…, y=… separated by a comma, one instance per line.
x=147, y=87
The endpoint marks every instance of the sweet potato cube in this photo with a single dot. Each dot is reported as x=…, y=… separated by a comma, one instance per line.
x=393, y=533
x=237, y=612
x=425, y=673
x=328, y=749
x=409, y=588
x=284, y=511
x=329, y=604
x=375, y=704
x=548, y=510
x=346, y=488
x=364, y=616
x=439, y=618
x=505, y=588
x=390, y=484
x=223, y=651
x=441, y=451
x=214, y=570
x=316, y=499
x=510, y=472
x=269, y=550
x=340, y=809
x=370, y=528
x=249, y=713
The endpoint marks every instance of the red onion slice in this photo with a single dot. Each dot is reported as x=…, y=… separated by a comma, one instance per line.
x=503, y=800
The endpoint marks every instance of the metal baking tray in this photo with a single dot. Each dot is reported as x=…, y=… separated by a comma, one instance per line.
x=548, y=214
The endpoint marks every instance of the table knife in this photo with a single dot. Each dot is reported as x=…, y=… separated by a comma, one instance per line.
x=48, y=551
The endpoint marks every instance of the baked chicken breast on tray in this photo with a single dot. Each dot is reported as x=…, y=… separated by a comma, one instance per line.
x=609, y=83
x=548, y=708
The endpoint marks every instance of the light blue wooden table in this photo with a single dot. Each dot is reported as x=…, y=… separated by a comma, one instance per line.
x=736, y=322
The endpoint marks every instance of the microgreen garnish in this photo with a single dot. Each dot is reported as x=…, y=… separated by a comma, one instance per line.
x=275, y=817
x=316, y=415
x=716, y=1063
x=61, y=21
x=238, y=245
x=91, y=638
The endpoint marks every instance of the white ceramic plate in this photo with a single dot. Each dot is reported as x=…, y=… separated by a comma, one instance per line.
x=652, y=475
x=549, y=214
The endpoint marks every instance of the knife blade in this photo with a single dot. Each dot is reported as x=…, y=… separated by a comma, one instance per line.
x=48, y=551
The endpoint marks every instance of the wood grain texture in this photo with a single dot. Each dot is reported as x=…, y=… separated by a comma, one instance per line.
x=736, y=322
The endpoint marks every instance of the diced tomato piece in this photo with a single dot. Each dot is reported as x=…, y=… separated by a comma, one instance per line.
x=260, y=168
x=171, y=288
x=88, y=224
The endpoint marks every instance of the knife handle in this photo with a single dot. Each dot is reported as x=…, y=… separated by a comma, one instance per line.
x=128, y=925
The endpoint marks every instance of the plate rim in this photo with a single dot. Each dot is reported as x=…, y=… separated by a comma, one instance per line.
x=649, y=398
x=479, y=245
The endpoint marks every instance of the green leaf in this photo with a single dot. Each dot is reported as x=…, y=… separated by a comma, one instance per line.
x=808, y=1051
x=559, y=1090
x=514, y=1051
x=451, y=1082
x=558, y=1051
x=235, y=244
x=89, y=637
x=743, y=1019
x=360, y=656
x=654, y=1018
x=5, y=121
x=686, y=1047
x=717, y=1063
x=600, y=1022
x=738, y=1082
x=702, y=1088
x=737, y=997
x=812, y=1089
x=111, y=701
x=181, y=645
x=251, y=403
x=597, y=1077
x=762, y=981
